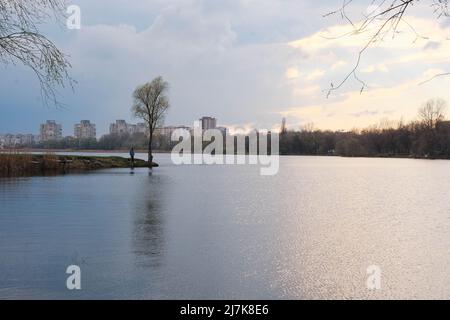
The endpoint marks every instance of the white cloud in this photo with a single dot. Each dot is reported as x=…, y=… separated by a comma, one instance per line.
x=306, y=91
x=362, y=110
x=208, y=70
x=292, y=73
x=245, y=61
x=375, y=68
x=337, y=65
x=315, y=75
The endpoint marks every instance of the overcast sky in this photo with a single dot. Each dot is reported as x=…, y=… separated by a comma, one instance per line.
x=246, y=62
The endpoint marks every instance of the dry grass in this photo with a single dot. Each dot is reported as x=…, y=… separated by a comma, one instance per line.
x=13, y=163
x=16, y=164
x=49, y=162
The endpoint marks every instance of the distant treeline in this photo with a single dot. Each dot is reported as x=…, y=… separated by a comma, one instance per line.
x=106, y=142
x=410, y=140
x=415, y=139
x=429, y=136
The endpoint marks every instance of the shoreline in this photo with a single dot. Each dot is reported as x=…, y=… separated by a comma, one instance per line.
x=119, y=151
x=25, y=150
x=25, y=165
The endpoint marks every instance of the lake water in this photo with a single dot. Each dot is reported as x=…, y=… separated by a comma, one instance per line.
x=212, y=232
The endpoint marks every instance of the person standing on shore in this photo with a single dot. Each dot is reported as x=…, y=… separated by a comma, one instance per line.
x=132, y=157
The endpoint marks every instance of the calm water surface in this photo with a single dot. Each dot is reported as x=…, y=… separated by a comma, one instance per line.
x=226, y=232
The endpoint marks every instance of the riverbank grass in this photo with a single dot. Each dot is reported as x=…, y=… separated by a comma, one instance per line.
x=18, y=164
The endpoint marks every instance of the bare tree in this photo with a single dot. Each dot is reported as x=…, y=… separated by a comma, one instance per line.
x=432, y=113
x=382, y=20
x=151, y=104
x=21, y=42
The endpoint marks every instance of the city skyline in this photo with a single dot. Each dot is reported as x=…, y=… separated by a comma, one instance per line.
x=85, y=129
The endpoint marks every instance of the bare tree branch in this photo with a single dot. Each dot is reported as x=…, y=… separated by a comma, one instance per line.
x=21, y=42
x=383, y=19
x=434, y=77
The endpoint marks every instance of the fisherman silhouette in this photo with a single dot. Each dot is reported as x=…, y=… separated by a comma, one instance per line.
x=132, y=157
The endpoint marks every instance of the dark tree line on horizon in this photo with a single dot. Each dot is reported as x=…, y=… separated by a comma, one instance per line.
x=428, y=136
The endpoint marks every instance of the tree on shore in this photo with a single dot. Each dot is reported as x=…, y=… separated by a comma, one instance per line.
x=22, y=42
x=432, y=113
x=150, y=103
x=427, y=136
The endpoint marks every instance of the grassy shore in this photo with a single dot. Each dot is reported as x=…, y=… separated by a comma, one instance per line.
x=31, y=150
x=18, y=164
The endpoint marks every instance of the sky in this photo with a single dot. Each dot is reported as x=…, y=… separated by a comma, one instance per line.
x=249, y=63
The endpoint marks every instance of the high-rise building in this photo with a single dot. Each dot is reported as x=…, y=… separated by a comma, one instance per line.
x=131, y=128
x=85, y=130
x=10, y=140
x=121, y=127
x=25, y=139
x=142, y=128
x=6, y=140
x=208, y=123
x=167, y=131
x=50, y=131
